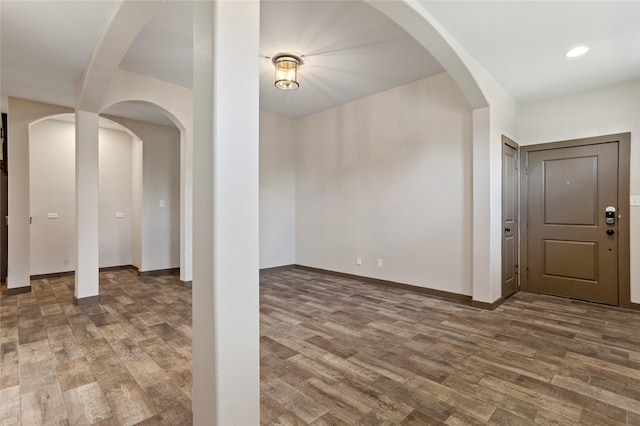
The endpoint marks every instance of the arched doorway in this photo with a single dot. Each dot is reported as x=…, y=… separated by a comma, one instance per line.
x=52, y=195
x=156, y=185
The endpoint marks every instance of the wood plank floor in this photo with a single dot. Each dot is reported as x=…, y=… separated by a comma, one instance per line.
x=333, y=351
x=124, y=361
x=337, y=351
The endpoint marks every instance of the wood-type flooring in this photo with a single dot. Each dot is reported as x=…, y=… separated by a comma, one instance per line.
x=337, y=351
x=334, y=351
x=124, y=361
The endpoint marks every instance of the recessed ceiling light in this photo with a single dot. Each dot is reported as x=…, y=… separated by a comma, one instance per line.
x=577, y=51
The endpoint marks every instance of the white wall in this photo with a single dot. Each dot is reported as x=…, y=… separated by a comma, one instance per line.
x=160, y=233
x=115, y=197
x=148, y=235
x=161, y=184
x=52, y=182
x=609, y=110
x=277, y=190
x=389, y=177
x=21, y=114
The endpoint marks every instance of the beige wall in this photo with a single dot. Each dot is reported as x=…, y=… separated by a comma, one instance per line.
x=389, y=177
x=160, y=225
x=52, y=190
x=147, y=236
x=20, y=115
x=115, y=197
x=277, y=190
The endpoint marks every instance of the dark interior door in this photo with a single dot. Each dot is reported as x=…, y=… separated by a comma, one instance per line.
x=572, y=250
x=509, y=219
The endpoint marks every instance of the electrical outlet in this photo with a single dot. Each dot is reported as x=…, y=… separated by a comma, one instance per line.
x=52, y=215
x=359, y=261
x=119, y=215
x=379, y=263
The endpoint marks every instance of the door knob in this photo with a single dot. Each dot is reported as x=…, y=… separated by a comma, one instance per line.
x=507, y=229
x=610, y=232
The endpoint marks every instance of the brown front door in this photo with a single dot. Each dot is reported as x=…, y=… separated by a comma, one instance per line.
x=509, y=217
x=572, y=250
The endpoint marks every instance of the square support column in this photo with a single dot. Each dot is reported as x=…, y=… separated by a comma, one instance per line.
x=87, y=221
x=487, y=211
x=18, y=275
x=482, y=207
x=186, y=207
x=226, y=367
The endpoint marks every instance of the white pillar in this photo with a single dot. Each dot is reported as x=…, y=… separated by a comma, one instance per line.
x=186, y=207
x=18, y=276
x=226, y=383
x=87, y=224
x=482, y=206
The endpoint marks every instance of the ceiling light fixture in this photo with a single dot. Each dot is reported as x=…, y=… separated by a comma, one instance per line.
x=577, y=51
x=287, y=66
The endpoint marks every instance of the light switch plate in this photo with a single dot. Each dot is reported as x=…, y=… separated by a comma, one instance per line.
x=634, y=200
x=359, y=261
x=119, y=215
x=161, y=203
x=52, y=215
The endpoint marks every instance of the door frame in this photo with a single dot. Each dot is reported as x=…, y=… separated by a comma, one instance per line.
x=514, y=145
x=624, y=155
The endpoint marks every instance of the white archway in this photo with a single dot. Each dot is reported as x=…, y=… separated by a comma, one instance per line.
x=51, y=165
x=494, y=113
x=176, y=103
x=156, y=248
x=416, y=21
x=22, y=114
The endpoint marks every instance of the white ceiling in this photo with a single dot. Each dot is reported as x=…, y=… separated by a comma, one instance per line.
x=45, y=45
x=522, y=43
x=164, y=48
x=352, y=50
